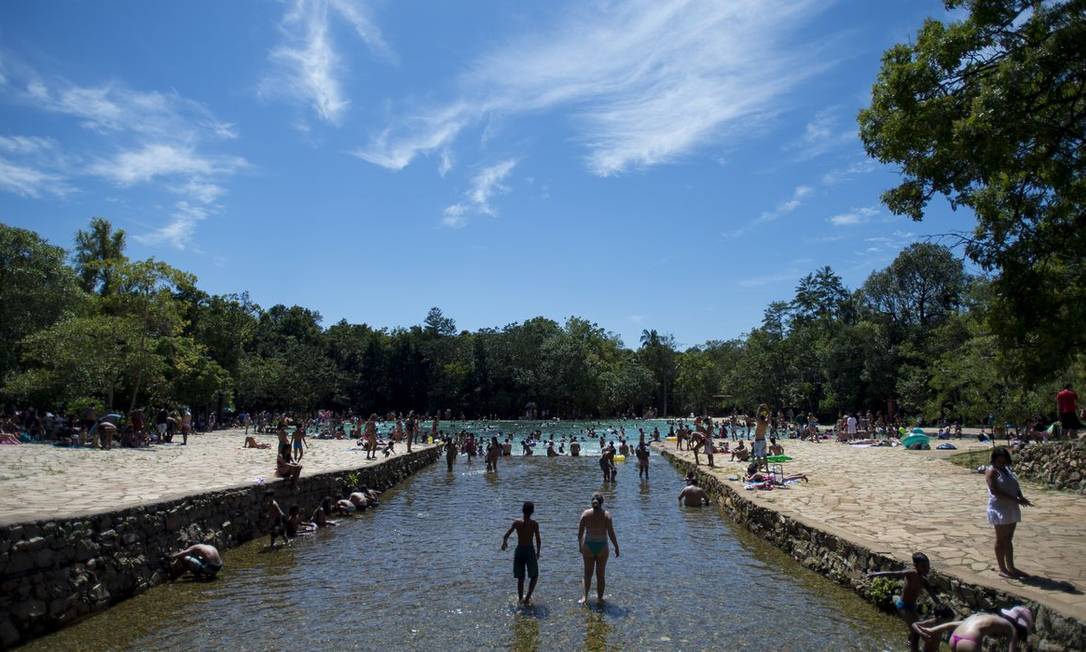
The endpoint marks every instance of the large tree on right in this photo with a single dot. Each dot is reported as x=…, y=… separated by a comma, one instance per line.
x=990, y=112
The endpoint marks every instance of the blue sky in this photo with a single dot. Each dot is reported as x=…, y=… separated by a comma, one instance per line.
x=668, y=165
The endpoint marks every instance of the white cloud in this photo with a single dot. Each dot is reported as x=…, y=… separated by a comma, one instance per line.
x=30, y=182
x=308, y=67
x=768, y=279
x=445, y=163
x=854, y=217
x=485, y=185
x=785, y=207
x=178, y=232
x=647, y=81
x=25, y=144
x=164, y=160
x=835, y=176
x=823, y=133
x=150, y=137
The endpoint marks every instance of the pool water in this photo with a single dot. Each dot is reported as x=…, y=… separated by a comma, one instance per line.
x=425, y=571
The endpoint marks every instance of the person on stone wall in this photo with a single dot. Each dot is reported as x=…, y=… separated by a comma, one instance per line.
x=202, y=560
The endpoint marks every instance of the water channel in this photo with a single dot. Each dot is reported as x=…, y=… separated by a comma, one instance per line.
x=424, y=571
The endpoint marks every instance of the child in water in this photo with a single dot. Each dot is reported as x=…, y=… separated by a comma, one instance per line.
x=906, y=603
x=525, y=557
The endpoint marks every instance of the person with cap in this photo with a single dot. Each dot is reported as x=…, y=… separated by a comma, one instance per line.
x=968, y=635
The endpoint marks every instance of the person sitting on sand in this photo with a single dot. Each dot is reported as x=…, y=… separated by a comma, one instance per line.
x=202, y=560
x=968, y=635
x=250, y=442
x=692, y=495
x=916, y=580
x=323, y=511
x=286, y=469
x=774, y=447
x=740, y=452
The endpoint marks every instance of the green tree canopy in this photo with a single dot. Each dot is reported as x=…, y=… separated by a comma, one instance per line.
x=990, y=112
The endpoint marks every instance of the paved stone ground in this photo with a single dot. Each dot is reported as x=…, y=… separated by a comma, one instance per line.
x=897, y=501
x=41, y=481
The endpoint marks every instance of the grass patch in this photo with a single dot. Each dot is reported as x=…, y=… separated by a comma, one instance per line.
x=972, y=459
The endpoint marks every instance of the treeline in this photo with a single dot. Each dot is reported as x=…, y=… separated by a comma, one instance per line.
x=107, y=331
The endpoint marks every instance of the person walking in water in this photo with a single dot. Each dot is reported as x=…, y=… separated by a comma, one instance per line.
x=525, y=557
x=493, y=452
x=593, y=531
x=450, y=452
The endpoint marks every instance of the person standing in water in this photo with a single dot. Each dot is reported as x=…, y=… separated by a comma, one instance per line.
x=642, y=453
x=493, y=452
x=450, y=452
x=595, y=527
x=525, y=557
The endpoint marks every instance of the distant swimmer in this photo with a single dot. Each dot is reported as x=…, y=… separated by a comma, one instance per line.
x=525, y=557
x=692, y=495
x=593, y=531
x=202, y=560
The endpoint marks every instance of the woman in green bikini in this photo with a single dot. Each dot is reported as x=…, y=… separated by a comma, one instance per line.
x=593, y=531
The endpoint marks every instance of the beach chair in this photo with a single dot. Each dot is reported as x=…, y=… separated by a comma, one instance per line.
x=776, y=473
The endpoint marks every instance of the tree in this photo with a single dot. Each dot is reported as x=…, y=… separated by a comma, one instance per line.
x=990, y=112
x=97, y=251
x=920, y=288
x=658, y=354
x=437, y=324
x=36, y=290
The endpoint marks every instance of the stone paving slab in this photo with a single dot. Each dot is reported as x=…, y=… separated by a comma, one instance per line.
x=42, y=481
x=898, y=501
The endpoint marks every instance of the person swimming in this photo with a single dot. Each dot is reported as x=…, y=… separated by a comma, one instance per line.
x=594, y=529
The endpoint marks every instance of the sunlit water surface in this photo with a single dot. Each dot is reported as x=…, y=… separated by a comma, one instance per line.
x=424, y=570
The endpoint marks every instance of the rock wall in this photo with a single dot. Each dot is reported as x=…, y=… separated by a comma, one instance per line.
x=1060, y=465
x=847, y=563
x=53, y=573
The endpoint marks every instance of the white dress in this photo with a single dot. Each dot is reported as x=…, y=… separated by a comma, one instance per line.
x=1004, y=511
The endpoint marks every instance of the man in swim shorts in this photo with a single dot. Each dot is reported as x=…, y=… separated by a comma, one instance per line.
x=642, y=453
x=202, y=560
x=692, y=495
x=525, y=557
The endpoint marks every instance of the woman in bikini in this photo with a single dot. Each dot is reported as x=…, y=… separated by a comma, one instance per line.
x=968, y=634
x=593, y=531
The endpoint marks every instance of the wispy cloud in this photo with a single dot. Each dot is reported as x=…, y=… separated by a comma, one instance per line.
x=769, y=279
x=148, y=137
x=165, y=160
x=838, y=175
x=647, y=82
x=178, y=232
x=854, y=216
x=799, y=194
x=825, y=131
x=308, y=68
x=484, y=186
x=31, y=182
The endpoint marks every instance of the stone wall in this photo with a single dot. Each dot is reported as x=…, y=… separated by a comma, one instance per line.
x=53, y=573
x=1060, y=465
x=847, y=563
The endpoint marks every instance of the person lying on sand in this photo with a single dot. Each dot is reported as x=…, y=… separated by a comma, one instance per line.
x=250, y=442
x=753, y=475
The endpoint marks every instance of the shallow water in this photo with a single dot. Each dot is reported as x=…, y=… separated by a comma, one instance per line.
x=424, y=570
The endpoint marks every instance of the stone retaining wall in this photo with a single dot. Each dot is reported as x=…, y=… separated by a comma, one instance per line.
x=53, y=573
x=1060, y=465
x=847, y=563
